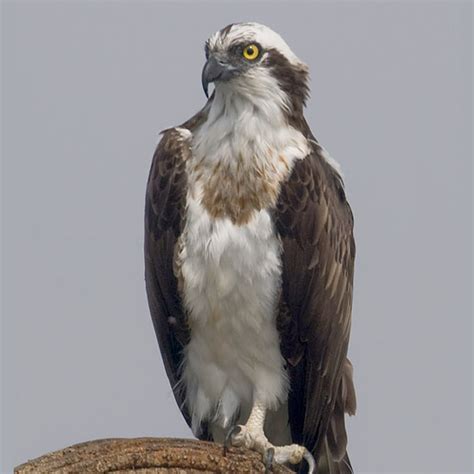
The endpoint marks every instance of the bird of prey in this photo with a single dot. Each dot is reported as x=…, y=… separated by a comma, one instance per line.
x=249, y=260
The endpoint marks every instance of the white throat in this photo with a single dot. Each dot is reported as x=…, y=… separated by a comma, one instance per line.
x=246, y=120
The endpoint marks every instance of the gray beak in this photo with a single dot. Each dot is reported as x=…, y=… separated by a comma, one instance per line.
x=215, y=70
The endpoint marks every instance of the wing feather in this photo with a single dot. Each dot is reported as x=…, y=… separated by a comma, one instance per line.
x=164, y=222
x=315, y=224
x=164, y=206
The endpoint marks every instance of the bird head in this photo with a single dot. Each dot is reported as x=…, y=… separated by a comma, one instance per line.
x=252, y=60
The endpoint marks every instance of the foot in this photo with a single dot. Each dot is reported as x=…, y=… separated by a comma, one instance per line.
x=255, y=439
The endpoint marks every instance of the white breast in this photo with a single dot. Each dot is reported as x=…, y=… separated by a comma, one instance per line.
x=231, y=287
x=231, y=273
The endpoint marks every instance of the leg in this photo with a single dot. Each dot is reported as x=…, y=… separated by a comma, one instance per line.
x=252, y=436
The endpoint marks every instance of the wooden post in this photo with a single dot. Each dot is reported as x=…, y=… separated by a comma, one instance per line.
x=148, y=456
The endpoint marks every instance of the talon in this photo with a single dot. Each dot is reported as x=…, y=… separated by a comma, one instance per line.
x=268, y=458
x=236, y=429
x=308, y=457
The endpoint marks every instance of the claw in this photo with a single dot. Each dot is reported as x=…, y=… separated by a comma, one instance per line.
x=228, y=437
x=308, y=457
x=268, y=458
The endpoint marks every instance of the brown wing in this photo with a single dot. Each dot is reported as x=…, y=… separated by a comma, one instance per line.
x=164, y=207
x=164, y=216
x=315, y=223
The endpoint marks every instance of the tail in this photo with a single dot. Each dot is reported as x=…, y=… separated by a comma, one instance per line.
x=328, y=465
x=333, y=458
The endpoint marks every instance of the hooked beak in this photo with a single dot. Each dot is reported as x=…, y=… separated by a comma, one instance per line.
x=215, y=70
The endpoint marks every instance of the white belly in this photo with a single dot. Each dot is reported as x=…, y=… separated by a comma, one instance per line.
x=232, y=277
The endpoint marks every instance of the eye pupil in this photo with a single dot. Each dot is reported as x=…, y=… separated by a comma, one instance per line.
x=250, y=50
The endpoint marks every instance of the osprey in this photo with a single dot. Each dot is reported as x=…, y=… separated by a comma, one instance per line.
x=249, y=260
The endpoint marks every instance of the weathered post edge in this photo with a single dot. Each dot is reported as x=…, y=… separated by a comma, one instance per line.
x=147, y=455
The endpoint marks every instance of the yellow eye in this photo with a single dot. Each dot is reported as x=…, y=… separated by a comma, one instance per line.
x=251, y=52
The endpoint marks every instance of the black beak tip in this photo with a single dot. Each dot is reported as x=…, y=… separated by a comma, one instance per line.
x=205, y=86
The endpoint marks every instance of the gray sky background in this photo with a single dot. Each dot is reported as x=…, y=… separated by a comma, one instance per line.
x=86, y=87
